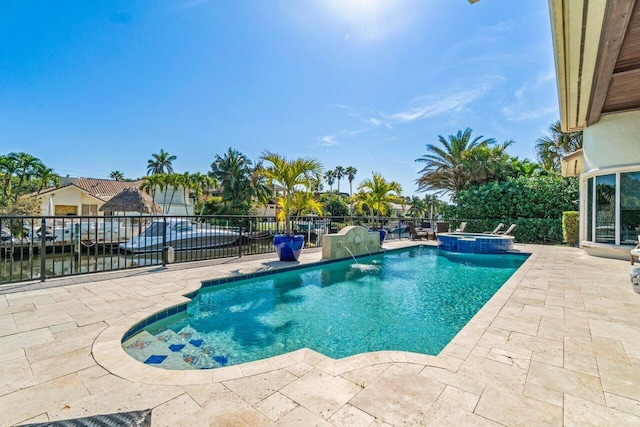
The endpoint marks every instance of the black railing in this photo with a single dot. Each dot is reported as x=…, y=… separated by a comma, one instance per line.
x=37, y=248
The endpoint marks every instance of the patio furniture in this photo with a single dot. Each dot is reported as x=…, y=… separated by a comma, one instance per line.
x=507, y=232
x=495, y=231
x=461, y=227
x=635, y=252
x=442, y=227
x=415, y=234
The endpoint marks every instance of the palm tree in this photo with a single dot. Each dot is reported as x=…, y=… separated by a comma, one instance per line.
x=8, y=167
x=378, y=193
x=330, y=177
x=46, y=177
x=26, y=167
x=160, y=163
x=117, y=175
x=233, y=170
x=201, y=182
x=150, y=184
x=351, y=174
x=445, y=170
x=552, y=148
x=339, y=171
x=290, y=174
x=418, y=207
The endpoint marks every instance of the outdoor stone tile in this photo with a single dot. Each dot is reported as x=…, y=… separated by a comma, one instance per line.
x=175, y=412
x=453, y=379
x=275, y=406
x=510, y=377
x=29, y=298
x=313, y=357
x=299, y=369
x=282, y=361
x=614, y=330
x=255, y=388
x=28, y=321
x=513, y=409
x=454, y=408
x=598, y=347
x=566, y=381
x=581, y=363
x=15, y=374
x=544, y=394
x=379, y=423
x=254, y=368
x=7, y=325
x=25, y=339
x=348, y=416
x=623, y=404
x=411, y=367
x=63, y=364
x=17, y=308
x=520, y=359
x=65, y=342
x=398, y=396
x=43, y=397
x=302, y=417
x=321, y=393
x=42, y=418
x=117, y=395
x=227, y=373
x=580, y=412
x=364, y=376
x=63, y=327
x=527, y=327
x=620, y=379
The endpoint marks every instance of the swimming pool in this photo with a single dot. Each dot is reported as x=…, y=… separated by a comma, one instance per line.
x=410, y=300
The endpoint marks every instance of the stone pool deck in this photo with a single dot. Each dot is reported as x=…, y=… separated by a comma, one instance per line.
x=559, y=344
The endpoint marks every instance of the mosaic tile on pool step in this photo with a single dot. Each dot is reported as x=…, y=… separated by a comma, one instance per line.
x=155, y=359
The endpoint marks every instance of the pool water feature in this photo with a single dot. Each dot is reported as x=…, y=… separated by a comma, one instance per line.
x=409, y=300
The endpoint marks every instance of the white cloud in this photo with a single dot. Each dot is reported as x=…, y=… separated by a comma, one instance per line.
x=329, y=140
x=530, y=100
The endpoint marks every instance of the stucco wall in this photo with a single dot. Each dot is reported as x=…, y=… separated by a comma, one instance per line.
x=613, y=141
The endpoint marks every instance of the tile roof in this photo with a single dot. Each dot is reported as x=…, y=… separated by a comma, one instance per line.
x=105, y=188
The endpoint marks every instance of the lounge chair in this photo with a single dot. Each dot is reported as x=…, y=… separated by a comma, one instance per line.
x=461, y=227
x=508, y=231
x=442, y=227
x=635, y=252
x=495, y=231
x=418, y=235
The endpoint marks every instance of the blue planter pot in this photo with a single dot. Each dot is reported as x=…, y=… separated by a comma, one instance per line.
x=288, y=248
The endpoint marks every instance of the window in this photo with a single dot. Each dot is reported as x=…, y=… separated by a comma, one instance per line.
x=606, y=209
x=629, y=207
x=90, y=210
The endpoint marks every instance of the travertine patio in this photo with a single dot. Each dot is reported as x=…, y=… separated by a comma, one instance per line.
x=559, y=344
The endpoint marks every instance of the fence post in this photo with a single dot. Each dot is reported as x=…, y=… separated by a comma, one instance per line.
x=43, y=249
x=239, y=241
x=164, y=238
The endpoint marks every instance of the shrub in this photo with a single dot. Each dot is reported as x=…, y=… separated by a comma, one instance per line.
x=570, y=222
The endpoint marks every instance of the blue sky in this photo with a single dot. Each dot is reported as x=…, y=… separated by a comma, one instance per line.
x=95, y=86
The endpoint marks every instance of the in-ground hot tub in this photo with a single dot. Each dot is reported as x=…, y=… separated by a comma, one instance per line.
x=475, y=243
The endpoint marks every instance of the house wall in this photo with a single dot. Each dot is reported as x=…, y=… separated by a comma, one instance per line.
x=613, y=141
x=174, y=202
x=70, y=196
x=611, y=147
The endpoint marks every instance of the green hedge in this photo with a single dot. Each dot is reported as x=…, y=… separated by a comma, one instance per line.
x=570, y=227
x=535, y=204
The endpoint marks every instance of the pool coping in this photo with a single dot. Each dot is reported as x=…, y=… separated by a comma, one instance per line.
x=108, y=352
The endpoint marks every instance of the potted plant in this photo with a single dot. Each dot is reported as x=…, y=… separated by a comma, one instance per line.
x=290, y=174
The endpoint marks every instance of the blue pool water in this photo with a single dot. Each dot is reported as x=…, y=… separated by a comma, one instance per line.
x=412, y=300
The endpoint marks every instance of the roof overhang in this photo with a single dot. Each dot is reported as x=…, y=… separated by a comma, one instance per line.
x=597, y=54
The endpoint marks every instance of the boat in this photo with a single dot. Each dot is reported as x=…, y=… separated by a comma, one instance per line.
x=180, y=235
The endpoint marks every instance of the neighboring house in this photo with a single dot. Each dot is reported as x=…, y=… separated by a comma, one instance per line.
x=85, y=196
x=573, y=164
x=597, y=55
x=399, y=210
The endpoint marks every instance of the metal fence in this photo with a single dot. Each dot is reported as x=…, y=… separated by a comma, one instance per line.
x=37, y=248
